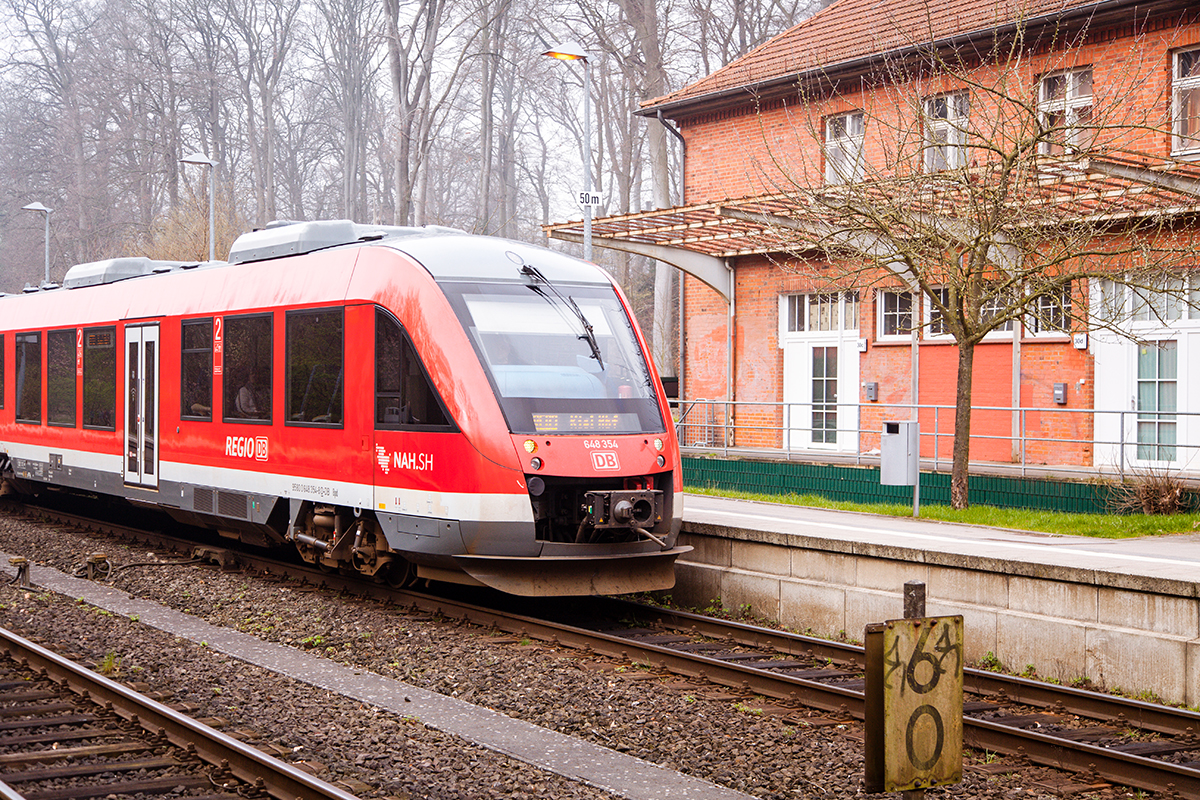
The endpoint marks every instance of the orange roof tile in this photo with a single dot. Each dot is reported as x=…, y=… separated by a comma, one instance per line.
x=852, y=30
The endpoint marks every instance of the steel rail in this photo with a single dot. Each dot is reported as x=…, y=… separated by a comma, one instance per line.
x=1025, y=691
x=248, y=764
x=1107, y=764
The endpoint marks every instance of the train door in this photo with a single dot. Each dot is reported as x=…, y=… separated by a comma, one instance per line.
x=141, y=405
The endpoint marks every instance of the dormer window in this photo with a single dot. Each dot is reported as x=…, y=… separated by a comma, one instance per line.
x=946, y=132
x=844, y=148
x=1186, y=111
x=1065, y=107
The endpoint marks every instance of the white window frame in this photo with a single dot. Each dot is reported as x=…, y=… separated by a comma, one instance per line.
x=946, y=118
x=1044, y=305
x=935, y=326
x=1118, y=304
x=1168, y=305
x=844, y=138
x=797, y=312
x=992, y=305
x=882, y=314
x=1185, y=138
x=1073, y=105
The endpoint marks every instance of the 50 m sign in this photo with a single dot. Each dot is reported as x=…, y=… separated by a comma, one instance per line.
x=917, y=687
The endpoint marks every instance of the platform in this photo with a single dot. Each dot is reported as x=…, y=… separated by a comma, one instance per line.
x=1124, y=613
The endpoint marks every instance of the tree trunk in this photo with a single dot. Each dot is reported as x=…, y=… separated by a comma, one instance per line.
x=962, y=427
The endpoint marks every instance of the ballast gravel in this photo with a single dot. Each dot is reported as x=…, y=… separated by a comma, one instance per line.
x=730, y=742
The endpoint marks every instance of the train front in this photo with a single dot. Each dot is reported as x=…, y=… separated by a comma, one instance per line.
x=589, y=425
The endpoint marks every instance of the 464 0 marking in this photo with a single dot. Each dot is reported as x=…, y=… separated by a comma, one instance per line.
x=918, y=685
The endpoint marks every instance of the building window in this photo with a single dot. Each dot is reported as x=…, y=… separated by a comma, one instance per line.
x=314, y=364
x=946, y=132
x=1186, y=86
x=1050, y=312
x=937, y=321
x=60, y=378
x=994, y=306
x=824, y=394
x=247, y=362
x=1157, y=394
x=844, y=148
x=895, y=313
x=100, y=378
x=1162, y=302
x=828, y=311
x=404, y=395
x=29, y=378
x=196, y=369
x=850, y=311
x=1065, y=106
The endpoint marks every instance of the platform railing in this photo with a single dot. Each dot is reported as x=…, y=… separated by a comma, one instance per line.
x=1087, y=440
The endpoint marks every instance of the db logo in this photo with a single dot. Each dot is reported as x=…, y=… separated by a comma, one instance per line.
x=605, y=460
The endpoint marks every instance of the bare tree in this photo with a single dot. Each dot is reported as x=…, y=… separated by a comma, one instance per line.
x=348, y=48
x=724, y=30
x=259, y=40
x=993, y=186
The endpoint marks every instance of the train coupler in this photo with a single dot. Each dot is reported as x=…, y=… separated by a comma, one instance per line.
x=623, y=508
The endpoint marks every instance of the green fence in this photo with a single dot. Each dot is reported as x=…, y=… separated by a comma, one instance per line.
x=861, y=485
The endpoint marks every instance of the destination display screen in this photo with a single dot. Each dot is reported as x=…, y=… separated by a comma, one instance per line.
x=585, y=423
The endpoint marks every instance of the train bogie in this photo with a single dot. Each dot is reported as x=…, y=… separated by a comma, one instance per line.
x=403, y=403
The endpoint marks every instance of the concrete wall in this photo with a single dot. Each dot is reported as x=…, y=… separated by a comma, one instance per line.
x=1121, y=632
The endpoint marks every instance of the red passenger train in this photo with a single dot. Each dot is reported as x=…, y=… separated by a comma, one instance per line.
x=407, y=403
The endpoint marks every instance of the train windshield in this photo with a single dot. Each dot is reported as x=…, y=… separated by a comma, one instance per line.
x=562, y=359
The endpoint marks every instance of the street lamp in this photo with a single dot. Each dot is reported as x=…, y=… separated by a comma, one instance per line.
x=200, y=158
x=573, y=51
x=46, y=211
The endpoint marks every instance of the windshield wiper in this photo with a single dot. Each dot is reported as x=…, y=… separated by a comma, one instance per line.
x=588, y=334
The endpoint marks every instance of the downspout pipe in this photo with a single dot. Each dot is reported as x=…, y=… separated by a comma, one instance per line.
x=682, y=156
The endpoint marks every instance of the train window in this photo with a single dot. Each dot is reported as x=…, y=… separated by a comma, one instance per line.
x=404, y=395
x=247, y=362
x=60, y=378
x=29, y=377
x=100, y=378
x=314, y=367
x=196, y=369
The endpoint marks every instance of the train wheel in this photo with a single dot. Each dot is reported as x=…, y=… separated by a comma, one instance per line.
x=398, y=574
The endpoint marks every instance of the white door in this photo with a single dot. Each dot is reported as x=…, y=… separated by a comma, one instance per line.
x=141, y=405
x=820, y=379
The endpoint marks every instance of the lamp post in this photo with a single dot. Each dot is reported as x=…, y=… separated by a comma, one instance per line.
x=46, y=211
x=573, y=51
x=200, y=158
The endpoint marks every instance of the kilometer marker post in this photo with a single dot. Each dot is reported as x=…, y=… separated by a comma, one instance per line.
x=914, y=680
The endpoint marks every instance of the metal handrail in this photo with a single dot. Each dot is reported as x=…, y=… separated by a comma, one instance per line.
x=726, y=427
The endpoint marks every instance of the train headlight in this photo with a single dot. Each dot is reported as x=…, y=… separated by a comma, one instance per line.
x=530, y=446
x=662, y=462
x=658, y=445
x=535, y=463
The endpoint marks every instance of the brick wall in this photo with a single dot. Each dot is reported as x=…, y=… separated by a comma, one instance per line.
x=768, y=147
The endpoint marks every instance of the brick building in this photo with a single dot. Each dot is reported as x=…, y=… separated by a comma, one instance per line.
x=818, y=327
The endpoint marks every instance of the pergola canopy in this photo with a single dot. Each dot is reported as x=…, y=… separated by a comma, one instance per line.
x=701, y=238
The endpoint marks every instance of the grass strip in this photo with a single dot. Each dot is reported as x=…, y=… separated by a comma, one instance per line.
x=1107, y=526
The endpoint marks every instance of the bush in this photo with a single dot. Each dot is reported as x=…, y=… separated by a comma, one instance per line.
x=1150, y=491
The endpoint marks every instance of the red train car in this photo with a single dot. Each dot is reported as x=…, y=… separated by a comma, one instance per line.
x=405, y=402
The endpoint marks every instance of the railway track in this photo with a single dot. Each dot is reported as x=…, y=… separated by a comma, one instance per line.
x=1099, y=738
x=68, y=733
